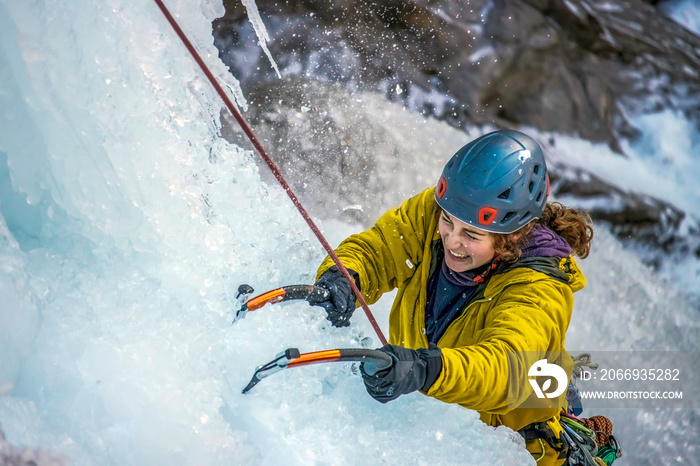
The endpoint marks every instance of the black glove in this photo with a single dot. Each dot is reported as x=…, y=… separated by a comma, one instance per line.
x=412, y=370
x=342, y=302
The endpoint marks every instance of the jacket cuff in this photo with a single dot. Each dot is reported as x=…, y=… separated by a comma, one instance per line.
x=433, y=365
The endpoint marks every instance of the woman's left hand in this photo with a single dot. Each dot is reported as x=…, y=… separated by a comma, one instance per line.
x=411, y=370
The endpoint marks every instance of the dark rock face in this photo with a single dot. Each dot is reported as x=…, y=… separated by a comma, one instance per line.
x=577, y=67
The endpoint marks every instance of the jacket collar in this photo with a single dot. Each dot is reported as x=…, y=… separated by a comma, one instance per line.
x=533, y=269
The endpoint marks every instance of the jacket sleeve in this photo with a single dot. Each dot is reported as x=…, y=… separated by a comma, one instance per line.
x=387, y=254
x=530, y=319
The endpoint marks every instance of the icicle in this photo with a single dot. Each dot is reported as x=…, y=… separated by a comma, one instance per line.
x=260, y=31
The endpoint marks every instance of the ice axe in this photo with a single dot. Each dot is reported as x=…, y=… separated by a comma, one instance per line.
x=312, y=294
x=374, y=361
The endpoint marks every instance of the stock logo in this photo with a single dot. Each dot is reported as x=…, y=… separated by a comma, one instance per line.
x=542, y=368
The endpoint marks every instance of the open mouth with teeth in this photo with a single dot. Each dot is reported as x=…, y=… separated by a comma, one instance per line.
x=458, y=256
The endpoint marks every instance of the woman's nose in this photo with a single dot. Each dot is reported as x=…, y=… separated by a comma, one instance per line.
x=452, y=241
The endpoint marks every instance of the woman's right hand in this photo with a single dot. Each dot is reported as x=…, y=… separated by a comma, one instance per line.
x=341, y=304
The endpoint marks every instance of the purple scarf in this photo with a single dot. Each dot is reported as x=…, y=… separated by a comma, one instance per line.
x=545, y=242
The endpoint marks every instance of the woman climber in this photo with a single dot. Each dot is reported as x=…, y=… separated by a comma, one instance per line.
x=484, y=268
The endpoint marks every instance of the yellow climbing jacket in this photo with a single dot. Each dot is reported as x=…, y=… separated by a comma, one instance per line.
x=522, y=307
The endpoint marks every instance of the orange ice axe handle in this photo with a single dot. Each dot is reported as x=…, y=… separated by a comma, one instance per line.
x=310, y=293
x=373, y=360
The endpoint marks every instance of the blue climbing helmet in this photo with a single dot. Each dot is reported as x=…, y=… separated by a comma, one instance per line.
x=497, y=183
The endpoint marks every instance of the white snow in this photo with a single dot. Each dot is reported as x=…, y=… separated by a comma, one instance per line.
x=126, y=225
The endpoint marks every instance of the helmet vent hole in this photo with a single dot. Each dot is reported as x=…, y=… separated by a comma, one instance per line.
x=536, y=169
x=525, y=215
x=508, y=217
x=505, y=194
x=531, y=186
x=442, y=187
x=539, y=196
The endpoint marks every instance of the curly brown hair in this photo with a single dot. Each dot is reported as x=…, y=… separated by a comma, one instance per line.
x=571, y=224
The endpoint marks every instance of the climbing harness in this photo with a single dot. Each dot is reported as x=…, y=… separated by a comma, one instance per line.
x=585, y=441
x=590, y=439
x=271, y=164
x=541, y=432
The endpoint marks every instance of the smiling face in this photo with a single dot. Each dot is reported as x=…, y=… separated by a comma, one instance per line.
x=466, y=247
